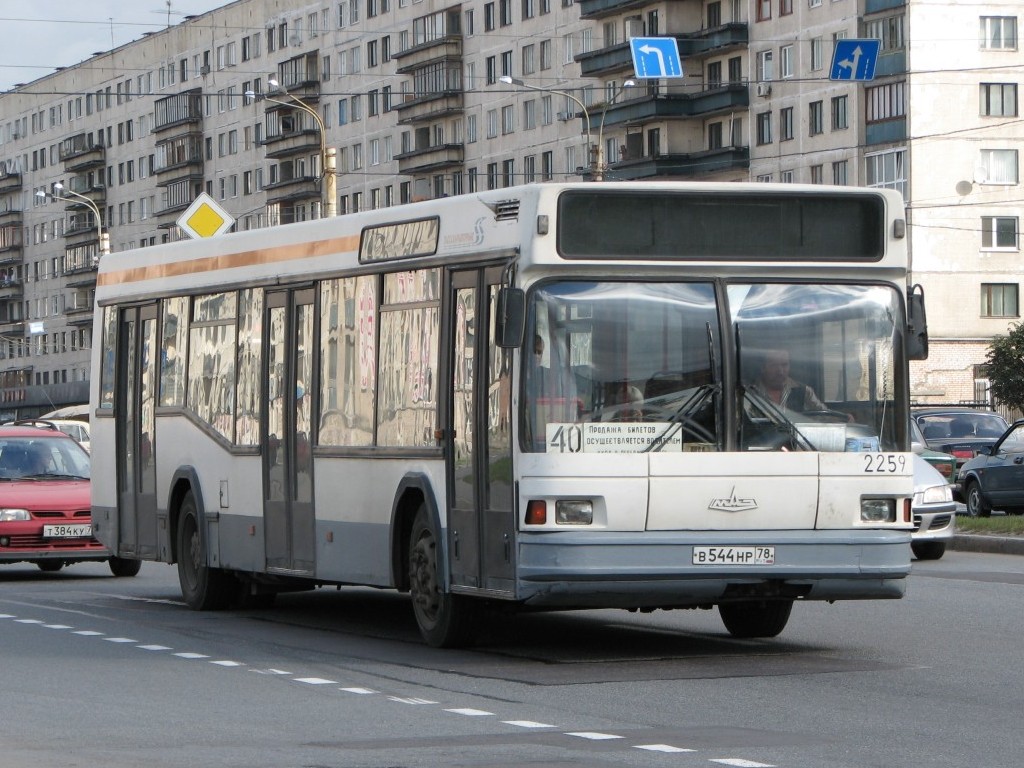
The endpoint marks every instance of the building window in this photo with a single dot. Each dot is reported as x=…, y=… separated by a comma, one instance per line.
x=998, y=33
x=998, y=99
x=785, y=7
x=765, y=67
x=997, y=166
x=999, y=233
x=817, y=174
x=714, y=135
x=840, y=118
x=889, y=31
x=1000, y=300
x=786, y=61
x=887, y=170
x=764, y=10
x=815, y=118
x=764, y=128
x=839, y=175
x=786, y=124
x=885, y=102
x=816, y=56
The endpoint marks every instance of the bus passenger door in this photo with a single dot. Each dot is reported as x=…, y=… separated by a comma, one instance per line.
x=481, y=526
x=288, y=516
x=136, y=387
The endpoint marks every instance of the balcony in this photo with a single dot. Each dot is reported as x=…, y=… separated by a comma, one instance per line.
x=12, y=327
x=79, y=316
x=293, y=189
x=11, y=241
x=430, y=159
x=79, y=153
x=598, y=9
x=10, y=182
x=891, y=63
x=707, y=103
x=448, y=48
x=688, y=165
x=11, y=288
x=179, y=109
x=297, y=142
x=429, y=106
x=83, y=275
x=619, y=58
x=886, y=132
x=10, y=217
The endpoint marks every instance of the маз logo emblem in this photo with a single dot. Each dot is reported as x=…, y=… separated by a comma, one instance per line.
x=733, y=503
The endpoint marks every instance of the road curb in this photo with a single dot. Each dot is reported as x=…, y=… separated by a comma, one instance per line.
x=998, y=545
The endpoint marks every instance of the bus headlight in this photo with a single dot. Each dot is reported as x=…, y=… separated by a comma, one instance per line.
x=574, y=512
x=878, y=510
x=8, y=515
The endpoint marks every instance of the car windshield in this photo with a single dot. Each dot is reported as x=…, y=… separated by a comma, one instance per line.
x=961, y=425
x=42, y=458
x=632, y=367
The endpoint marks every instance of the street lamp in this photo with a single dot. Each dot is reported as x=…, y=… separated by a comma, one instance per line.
x=104, y=237
x=328, y=155
x=599, y=172
x=592, y=156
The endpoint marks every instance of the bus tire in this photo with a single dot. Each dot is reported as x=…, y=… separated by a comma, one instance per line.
x=124, y=566
x=204, y=588
x=445, y=620
x=755, y=618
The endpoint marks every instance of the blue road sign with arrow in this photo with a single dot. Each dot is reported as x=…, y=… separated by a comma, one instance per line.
x=855, y=59
x=656, y=57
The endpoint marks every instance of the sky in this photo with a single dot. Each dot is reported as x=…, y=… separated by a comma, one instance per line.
x=41, y=35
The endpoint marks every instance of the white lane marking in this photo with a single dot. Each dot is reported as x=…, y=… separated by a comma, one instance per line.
x=228, y=663
x=737, y=762
x=88, y=633
x=358, y=691
x=470, y=712
x=57, y=626
x=270, y=672
x=402, y=700
x=661, y=748
x=28, y=621
x=594, y=736
x=154, y=647
x=7, y=616
x=528, y=724
x=120, y=640
x=188, y=655
x=315, y=681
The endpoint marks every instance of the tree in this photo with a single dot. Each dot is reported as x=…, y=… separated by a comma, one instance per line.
x=1006, y=367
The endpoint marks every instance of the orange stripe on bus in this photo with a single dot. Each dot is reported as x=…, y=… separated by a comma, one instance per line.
x=292, y=252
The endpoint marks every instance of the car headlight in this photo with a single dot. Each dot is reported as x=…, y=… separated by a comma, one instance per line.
x=937, y=494
x=8, y=515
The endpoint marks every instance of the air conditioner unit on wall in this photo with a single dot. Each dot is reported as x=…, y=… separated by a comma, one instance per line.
x=204, y=70
x=764, y=89
x=565, y=116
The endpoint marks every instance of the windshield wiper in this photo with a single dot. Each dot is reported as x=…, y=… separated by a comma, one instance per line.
x=777, y=416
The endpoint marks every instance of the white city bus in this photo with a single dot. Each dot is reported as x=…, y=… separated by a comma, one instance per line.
x=540, y=397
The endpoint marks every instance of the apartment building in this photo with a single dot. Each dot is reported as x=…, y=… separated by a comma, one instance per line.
x=419, y=99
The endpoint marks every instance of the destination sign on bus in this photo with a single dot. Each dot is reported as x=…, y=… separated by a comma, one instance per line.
x=620, y=437
x=401, y=240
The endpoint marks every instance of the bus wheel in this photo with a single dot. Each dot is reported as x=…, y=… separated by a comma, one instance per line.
x=49, y=566
x=124, y=566
x=445, y=620
x=204, y=588
x=755, y=618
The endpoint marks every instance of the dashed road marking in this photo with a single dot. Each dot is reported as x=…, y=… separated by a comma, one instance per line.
x=315, y=681
x=739, y=763
x=189, y=655
x=528, y=724
x=120, y=640
x=470, y=712
x=403, y=700
x=154, y=647
x=88, y=633
x=593, y=735
x=228, y=663
x=661, y=748
x=358, y=691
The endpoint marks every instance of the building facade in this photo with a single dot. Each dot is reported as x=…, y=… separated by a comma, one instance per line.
x=419, y=99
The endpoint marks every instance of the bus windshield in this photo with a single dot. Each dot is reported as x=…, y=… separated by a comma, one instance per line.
x=700, y=366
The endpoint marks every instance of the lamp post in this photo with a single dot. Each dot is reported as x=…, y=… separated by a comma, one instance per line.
x=599, y=172
x=592, y=155
x=328, y=155
x=104, y=237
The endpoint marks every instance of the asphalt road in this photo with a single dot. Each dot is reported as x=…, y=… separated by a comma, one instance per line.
x=116, y=672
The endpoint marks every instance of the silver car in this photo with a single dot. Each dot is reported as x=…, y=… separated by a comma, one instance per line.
x=934, y=512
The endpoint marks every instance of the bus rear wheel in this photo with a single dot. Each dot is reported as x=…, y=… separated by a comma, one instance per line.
x=204, y=588
x=445, y=620
x=124, y=566
x=49, y=566
x=755, y=618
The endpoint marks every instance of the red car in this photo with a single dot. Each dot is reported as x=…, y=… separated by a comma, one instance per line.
x=45, y=509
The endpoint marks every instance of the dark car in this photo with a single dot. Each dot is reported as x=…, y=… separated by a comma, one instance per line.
x=45, y=505
x=994, y=479
x=959, y=430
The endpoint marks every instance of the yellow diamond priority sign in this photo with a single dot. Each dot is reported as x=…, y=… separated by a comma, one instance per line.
x=204, y=218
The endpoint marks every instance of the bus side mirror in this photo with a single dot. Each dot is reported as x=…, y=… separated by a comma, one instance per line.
x=917, y=325
x=511, y=320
